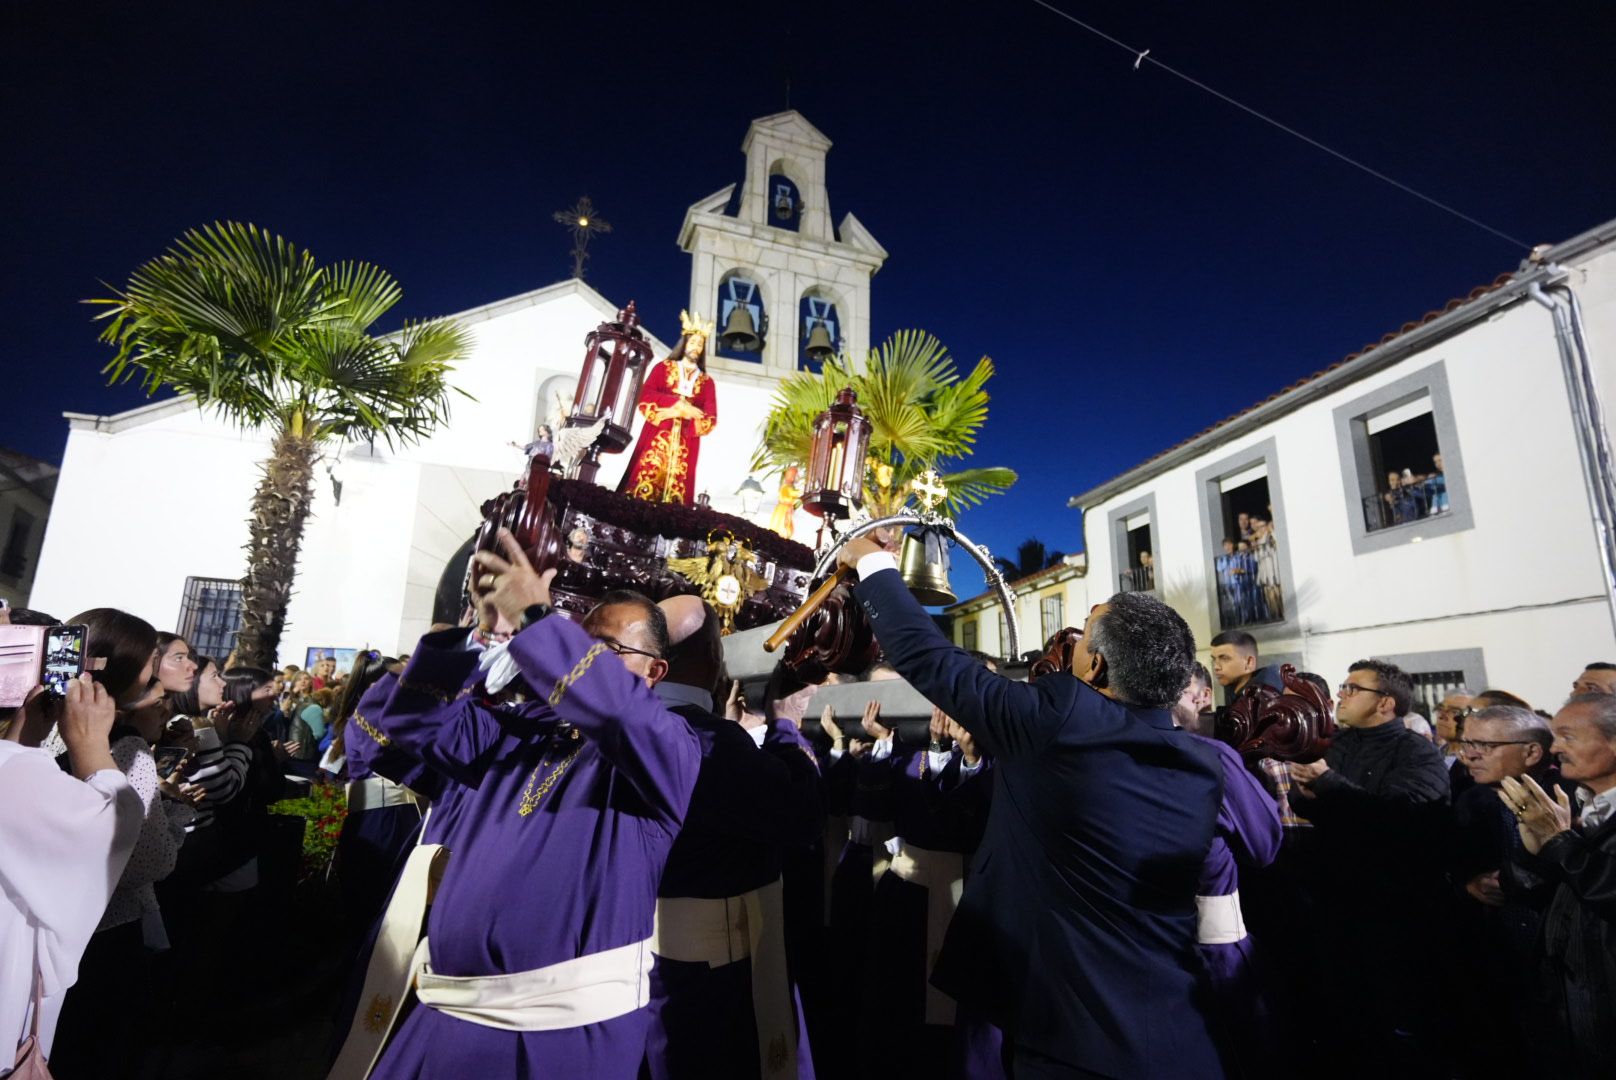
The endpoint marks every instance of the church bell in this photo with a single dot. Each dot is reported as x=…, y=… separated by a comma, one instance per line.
x=927, y=579
x=820, y=346
x=740, y=333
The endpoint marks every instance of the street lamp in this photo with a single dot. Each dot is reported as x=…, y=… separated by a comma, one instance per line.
x=751, y=495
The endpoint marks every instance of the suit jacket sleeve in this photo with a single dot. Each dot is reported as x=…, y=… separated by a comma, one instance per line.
x=1586, y=867
x=1012, y=718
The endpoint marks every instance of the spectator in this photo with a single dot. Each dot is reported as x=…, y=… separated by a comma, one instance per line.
x=1234, y=660
x=325, y=670
x=1243, y=526
x=1597, y=678
x=1575, y=865
x=1373, y=863
x=66, y=840
x=176, y=666
x=99, y=1018
x=1227, y=568
x=1436, y=487
x=1488, y=698
x=1448, y=727
x=1401, y=504
x=1265, y=552
x=1495, y=926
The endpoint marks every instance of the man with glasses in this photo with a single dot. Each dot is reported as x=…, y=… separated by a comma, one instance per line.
x=570, y=780
x=1378, y=803
x=1447, y=722
x=1495, y=926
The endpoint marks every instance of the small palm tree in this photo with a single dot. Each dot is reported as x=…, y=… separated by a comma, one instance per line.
x=922, y=415
x=1031, y=557
x=245, y=323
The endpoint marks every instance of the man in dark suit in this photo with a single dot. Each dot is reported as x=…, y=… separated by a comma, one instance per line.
x=1076, y=931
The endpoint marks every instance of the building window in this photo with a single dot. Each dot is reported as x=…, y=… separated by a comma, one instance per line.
x=1438, y=674
x=1051, y=620
x=1242, y=520
x=14, y=559
x=210, y=616
x=1400, y=462
x=968, y=634
x=1132, y=528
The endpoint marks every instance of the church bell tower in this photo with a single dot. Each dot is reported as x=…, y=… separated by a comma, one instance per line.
x=785, y=287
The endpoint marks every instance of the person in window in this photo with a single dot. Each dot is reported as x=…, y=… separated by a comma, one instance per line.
x=1265, y=548
x=1401, y=505
x=1249, y=598
x=1146, y=577
x=1436, y=487
x=1227, y=573
x=1243, y=521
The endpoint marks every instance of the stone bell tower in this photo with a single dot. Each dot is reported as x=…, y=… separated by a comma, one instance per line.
x=770, y=268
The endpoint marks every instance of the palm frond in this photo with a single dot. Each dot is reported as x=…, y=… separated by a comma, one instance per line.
x=972, y=487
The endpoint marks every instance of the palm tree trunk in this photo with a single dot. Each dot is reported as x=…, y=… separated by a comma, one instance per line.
x=280, y=509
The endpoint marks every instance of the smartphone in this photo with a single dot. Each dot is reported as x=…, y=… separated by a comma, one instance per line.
x=64, y=657
x=169, y=758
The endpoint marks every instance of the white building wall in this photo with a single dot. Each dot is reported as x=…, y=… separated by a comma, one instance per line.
x=1524, y=583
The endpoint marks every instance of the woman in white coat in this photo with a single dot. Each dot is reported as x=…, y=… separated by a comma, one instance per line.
x=64, y=840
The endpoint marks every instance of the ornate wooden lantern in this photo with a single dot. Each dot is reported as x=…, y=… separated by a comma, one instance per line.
x=835, y=482
x=609, y=386
x=1296, y=725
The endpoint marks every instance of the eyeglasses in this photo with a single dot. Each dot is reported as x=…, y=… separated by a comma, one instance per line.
x=624, y=650
x=1458, y=713
x=1483, y=746
x=1347, y=689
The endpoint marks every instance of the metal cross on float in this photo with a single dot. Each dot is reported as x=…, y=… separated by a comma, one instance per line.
x=929, y=489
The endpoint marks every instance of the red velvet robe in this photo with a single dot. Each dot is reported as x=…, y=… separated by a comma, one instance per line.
x=663, y=468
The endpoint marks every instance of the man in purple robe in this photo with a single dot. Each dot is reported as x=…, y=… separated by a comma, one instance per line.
x=1248, y=835
x=571, y=781
x=721, y=1000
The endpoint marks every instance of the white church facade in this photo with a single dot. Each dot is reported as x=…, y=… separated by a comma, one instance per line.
x=385, y=522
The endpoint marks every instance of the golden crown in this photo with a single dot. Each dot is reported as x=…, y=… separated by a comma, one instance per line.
x=692, y=324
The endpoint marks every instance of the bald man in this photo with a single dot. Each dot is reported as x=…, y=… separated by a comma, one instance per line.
x=721, y=999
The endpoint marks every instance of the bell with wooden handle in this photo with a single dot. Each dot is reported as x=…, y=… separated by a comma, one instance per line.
x=820, y=346
x=927, y=578
x=740, y=332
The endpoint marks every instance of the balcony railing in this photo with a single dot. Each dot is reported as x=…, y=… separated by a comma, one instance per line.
x=1249, y=591
x=1407, y=504
x=1137, y=579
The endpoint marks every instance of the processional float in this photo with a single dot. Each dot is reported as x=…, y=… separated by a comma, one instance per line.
x=598, y=539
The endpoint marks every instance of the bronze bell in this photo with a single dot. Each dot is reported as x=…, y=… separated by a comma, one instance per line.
x=820, y=346
x=740, y=332
x=927, y=581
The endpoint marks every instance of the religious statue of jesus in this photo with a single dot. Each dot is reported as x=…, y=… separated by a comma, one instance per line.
x=679, y=406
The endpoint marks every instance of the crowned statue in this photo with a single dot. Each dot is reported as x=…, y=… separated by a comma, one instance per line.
x=679, y=406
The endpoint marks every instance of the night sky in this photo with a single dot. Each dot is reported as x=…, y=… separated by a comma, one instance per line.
x=1139, y=258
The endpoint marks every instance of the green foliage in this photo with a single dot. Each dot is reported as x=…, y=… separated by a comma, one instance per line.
x=922, y=415
x=249, y=324
x=323, y=811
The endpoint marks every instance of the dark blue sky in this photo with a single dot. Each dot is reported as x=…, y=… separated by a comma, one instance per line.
x=1139, y=258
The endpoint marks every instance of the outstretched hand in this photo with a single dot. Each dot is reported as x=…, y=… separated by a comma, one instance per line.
x=827, y=722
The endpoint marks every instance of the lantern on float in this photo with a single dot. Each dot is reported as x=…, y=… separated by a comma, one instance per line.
x=835, y=484
x=615, y=360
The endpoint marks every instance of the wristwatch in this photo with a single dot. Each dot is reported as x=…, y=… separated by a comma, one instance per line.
x=533, y=613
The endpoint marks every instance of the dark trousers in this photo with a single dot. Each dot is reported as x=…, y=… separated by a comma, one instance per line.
x=1020, y=1063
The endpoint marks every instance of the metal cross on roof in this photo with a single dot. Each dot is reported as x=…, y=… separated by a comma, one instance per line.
x=582, y=221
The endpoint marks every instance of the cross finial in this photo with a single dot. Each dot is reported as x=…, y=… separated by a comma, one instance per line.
x=582, y=221
x=929, y=489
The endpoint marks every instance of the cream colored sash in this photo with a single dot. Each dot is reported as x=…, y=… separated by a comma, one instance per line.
x=942, y=874
x=375, y=792
x=1218, y=920
x=584, y=990
x=719, y=932
x=387, y=978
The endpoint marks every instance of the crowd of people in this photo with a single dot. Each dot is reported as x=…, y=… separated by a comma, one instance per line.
x=577, y=849
x=1409, y=496
x=1247, y=573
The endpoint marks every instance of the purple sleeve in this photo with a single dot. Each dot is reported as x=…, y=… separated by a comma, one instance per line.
x=1248, y=816
x=428, y=716
x=370, y=752
x=588, y=686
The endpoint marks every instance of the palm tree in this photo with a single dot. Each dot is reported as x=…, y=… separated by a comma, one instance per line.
x=1031, y=557
x=246, y=323
x=922, y=415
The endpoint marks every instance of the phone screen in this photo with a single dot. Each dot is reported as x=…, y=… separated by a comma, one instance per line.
x=168, y=759
x=64, y=658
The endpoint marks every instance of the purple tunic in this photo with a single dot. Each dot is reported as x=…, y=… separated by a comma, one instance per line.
x=576, y=874
x=1248, y=834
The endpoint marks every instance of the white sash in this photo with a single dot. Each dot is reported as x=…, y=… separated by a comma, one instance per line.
x=720, y=932
x=375, y=792
x=942, y=875
x=584, y=990
x=387, y=978
x=1218, y=920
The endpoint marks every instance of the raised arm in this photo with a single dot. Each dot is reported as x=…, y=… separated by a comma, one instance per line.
x=1011, y=717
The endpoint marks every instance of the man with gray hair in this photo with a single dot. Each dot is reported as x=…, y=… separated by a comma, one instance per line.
x=1076, y=932
x=1493, y=919
x=1571, y=858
